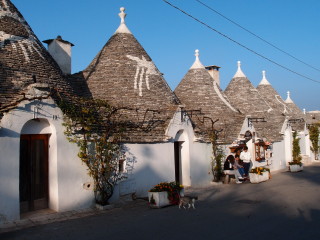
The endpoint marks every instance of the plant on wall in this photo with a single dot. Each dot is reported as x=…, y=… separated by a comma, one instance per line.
x=296, y=158
x=98, y=129
x=217, y=152
x=94, y=127
x=314, y=138
x=217, y=156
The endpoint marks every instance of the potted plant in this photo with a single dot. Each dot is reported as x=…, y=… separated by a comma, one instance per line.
x=164, y=194
x=259, y=174
x=295, y=165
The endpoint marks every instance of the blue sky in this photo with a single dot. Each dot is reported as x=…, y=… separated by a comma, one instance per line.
x=170, y=37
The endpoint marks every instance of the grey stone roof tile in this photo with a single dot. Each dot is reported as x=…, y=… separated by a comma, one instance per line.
x=23, y=59
x=197, y=91
x=244, y=96
x=123, y=74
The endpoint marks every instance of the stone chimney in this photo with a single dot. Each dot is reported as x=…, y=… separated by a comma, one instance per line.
x=214, y=73
x=60, y=50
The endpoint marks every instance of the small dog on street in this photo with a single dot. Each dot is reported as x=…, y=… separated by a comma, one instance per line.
x=187, y=201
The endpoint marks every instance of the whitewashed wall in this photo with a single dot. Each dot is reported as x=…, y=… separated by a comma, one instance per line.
x=288, y=144
x=150, y=164
x=305, y=147
x=147, y=165
x=302, y=142
x=278, y=159
x=200, y=164
x=66, y=172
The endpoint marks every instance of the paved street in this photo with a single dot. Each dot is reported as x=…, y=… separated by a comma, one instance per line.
x=285, y=207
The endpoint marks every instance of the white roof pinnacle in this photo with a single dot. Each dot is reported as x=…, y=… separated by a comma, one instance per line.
x=264, y=81
x=239, y=72
x=197, y=63
x=122, y=28
x=288, y=100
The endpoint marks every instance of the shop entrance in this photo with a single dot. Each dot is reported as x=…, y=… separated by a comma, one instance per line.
x=33, y=172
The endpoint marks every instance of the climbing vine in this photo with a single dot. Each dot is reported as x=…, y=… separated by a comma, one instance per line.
x=98, y=129
x=93, y=125
x=217, y=156
x=217, y=151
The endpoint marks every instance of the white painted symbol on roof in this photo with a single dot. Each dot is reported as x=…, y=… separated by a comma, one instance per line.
x=144, y=67
x=27, y=45
x=285, y=108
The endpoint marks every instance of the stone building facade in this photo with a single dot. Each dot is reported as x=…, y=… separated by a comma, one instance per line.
x=39, y=167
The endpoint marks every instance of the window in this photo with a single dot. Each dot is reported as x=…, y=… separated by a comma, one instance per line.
x=260, y=149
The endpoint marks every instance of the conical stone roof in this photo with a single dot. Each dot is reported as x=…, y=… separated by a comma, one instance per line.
x=204, y=100
x=297, y=118
x=271, y=129
x=244, y=96
x=123, y=74
x=294, y=108
x=23, y=59
x=272, y=97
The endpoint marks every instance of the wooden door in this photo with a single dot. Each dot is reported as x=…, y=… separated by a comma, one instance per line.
x=33, y=172
x=177, y=161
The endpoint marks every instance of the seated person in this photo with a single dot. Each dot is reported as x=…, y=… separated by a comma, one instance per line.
x=229, y=168
x=237, y=165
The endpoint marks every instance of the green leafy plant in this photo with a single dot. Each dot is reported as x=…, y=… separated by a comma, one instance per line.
x=217, y=156
x=93, y=126
x=314, y=138
x=296, y=158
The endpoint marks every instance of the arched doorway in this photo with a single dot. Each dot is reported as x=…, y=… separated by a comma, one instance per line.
x=182, y=158
x=33, y=182
x=177, y=161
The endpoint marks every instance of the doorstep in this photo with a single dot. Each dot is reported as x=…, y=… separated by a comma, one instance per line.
x=45, y=216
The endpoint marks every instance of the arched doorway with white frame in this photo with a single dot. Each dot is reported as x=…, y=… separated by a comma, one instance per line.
x=34, y=170
x=182, y=158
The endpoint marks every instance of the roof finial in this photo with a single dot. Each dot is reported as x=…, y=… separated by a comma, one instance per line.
x=288, y=100
x=122, y=28
x=122, y=14
x=264, y=80
x=239, y=72
x=197, y=63
x=196, y=53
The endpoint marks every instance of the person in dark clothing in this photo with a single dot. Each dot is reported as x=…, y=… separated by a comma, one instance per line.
x=229, y=168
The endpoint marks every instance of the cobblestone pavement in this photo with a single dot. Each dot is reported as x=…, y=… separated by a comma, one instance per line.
x=285, y=207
